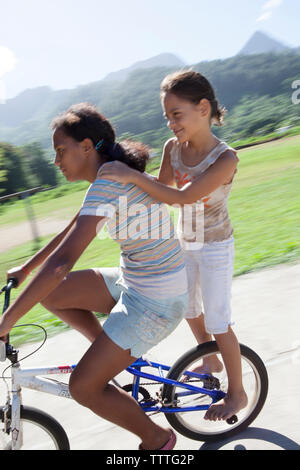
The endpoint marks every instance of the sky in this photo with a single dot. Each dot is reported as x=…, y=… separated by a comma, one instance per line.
x=66, y=43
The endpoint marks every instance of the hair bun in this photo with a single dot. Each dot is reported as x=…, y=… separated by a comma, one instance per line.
x=115, y=150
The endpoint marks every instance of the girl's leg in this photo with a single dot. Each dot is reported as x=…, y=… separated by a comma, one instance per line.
x=198, y=329
x=212, y=363
x=89, y=386
x=76, y=298
x=236, y=398
x=216, y=271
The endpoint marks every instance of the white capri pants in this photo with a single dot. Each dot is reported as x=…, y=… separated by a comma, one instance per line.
x=209, y=273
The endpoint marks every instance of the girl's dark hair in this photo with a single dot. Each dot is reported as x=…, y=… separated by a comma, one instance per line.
x=192, y=86
x=83, y=121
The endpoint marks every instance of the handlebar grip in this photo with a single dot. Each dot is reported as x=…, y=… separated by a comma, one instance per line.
x=12, y=282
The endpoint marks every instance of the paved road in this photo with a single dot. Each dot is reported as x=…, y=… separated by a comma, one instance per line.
x=266, y=315
x=19, y=233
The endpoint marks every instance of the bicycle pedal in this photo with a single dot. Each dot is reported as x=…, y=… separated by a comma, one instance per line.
x=211, y=383
x=232, y=420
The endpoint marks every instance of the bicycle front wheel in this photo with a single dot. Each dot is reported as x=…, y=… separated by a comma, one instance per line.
x=40, y=431
x=191, y=423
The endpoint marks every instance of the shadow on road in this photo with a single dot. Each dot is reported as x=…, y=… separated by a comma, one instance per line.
x=261, y=434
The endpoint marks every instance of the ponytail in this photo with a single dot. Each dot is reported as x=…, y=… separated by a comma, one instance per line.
x=134, y=154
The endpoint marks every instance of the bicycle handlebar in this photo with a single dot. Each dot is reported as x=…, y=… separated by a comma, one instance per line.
x=4, y=341
x=11, y=282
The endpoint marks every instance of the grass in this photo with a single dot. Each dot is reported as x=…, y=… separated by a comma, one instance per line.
x=45, y=203
x=265, y=205
x=104, y=253
x=264, y=208
x=295, y=130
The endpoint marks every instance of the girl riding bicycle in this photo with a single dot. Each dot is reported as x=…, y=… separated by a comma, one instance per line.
x=203, y=168
x=139, y=295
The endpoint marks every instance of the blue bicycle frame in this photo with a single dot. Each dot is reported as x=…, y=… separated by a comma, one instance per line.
x=135, y=369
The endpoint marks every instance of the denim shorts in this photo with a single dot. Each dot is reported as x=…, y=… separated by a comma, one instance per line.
x=136, y=322
x=209, y=272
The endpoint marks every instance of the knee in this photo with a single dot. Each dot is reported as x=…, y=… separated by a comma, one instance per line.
x=84, y=392
x=47, y=303
x=77, y=390
x=51, y=302
x=55, y=299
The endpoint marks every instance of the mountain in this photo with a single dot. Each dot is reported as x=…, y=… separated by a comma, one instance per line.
x=34, y=103
x=261, y=43
x=255, y=89
x=22, y=107
x=161, y=60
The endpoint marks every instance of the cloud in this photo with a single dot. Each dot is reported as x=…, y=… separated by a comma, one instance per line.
x=271, y=4
x=265, y=16
x=7, y=61
x=268, y=8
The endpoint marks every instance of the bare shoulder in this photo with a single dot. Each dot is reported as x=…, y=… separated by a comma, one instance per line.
x=230, y=155
x=228, y=158
x=169, y=145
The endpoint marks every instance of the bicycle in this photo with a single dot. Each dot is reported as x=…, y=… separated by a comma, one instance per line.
x=178, y=397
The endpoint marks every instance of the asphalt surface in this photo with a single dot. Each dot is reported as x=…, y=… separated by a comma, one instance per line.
x=266, y=314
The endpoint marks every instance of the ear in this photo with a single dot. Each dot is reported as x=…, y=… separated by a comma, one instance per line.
x=87, y=145
x=204, y=107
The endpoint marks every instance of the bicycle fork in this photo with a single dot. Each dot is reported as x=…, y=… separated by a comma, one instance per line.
x=12, y=413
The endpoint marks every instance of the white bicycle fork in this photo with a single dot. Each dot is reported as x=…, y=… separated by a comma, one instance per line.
x=28, y=378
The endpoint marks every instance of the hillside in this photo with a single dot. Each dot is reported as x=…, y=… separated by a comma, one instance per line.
x=255, y=89
x=161, y=60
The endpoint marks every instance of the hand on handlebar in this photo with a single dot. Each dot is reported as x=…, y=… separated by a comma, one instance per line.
x=17, y=273
x=4, y=338
x=5, y=328
x=5, y=321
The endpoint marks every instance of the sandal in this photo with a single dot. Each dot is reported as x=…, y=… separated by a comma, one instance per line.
x=169, y=445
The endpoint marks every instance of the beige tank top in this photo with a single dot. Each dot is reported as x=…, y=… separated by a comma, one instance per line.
x=206, y=220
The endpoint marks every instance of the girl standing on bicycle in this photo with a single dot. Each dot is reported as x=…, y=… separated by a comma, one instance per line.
x=203, y=168
x=139, y=295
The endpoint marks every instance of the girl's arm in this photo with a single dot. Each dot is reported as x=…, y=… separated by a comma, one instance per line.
x=166, y=173
x=53, y=271
x=21, y=272
x=216, y=175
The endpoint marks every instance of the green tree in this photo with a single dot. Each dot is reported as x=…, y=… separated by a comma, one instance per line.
x=14, y=168
x=3, y=172
x=43, y=171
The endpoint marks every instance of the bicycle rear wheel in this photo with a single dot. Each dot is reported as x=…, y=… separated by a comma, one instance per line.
x=40, y=431
x=191, y=423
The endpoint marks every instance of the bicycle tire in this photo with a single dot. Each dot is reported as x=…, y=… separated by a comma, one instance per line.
x=45, y=422
x=220, y=429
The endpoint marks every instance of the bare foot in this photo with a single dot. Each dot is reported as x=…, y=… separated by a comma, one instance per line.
x=227, y=407
x=209, y=366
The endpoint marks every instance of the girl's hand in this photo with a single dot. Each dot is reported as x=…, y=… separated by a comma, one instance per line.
x=5, y=328
x=117, y=171
x=18, y=273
